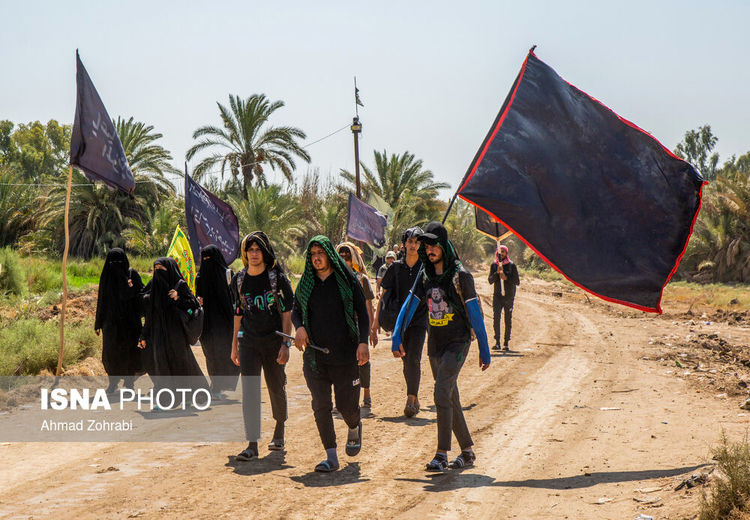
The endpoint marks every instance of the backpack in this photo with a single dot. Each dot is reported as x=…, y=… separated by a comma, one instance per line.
x=390, y=306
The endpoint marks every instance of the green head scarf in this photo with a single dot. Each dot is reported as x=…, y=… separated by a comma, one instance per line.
x=345, y=280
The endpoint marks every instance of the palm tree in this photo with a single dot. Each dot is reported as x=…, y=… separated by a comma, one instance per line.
x=17, y=207
x=398, y=175
x=247, y=142
x=268, y=209
x=470, y=243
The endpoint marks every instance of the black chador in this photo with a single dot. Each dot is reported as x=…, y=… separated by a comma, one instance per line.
x=212, y=285
x=167, y=351
x=118, y=317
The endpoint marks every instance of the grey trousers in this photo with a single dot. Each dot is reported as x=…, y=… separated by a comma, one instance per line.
x=450, y=417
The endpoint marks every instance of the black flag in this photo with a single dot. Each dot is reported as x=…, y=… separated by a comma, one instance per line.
x=94, y=145
x=210, y=221
x=596, y=197
x=487, y=224
x=365, y=223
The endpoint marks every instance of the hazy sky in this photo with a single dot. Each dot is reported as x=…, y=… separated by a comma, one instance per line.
x=432, y=75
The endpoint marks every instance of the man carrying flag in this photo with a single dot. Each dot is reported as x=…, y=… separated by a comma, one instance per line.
x=453, y=311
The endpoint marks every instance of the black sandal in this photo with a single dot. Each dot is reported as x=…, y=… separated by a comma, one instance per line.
x=354, y=445
x=247, y=454
x=438, y=465
x=276, y=445
x=465, y=460
x=326, y=467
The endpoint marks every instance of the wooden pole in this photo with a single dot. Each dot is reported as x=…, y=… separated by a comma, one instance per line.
x=64, y=275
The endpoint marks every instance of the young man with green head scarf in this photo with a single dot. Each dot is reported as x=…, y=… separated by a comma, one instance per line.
x=453, y=311
x=330, y=312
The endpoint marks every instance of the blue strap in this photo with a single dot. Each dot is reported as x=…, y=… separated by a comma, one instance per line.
x=477, y=323
x=404, y=318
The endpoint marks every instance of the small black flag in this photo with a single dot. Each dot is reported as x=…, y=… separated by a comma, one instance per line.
x=94, y=145
x=356, y=97
x=210, y=220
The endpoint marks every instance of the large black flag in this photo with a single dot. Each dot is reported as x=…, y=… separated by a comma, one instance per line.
x=365, y=223
x=210, y=220
x=94, y=145
x=596, y=197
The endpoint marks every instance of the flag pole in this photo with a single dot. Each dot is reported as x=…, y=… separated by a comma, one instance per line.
x=64, y=275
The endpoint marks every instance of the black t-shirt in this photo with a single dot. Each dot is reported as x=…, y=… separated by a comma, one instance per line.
x=256, y=303
x=448, y=328
x=399, y=273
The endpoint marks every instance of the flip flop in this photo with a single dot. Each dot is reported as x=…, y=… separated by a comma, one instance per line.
x=326, y=467
x=276, y=445
x=354, y=445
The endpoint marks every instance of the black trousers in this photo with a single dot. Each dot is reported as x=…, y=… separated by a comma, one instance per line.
x=450, y=417
x=254, y=356
x=345, y=382
x=504, y=305
x=413, y=344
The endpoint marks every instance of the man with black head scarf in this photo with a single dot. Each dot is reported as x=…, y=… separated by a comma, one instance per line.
x=167, y=352
x=397, y=281
x=118, y=318
x=263, y=305
x=453, y=311
x=330, y=312
x=212, y=291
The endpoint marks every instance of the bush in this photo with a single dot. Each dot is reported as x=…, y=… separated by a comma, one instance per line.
x=11, y=276
x=730, y=493
x=28, y=346
x=41, y=277
x=295, y=264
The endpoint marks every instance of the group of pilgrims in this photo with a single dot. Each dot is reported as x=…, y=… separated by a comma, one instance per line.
x=252, y=318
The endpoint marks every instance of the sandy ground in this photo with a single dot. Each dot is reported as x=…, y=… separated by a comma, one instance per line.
x=599, y=412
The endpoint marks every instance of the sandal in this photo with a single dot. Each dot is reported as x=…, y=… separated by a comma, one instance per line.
x=437, y=464
x=247, y=454
x=276, y=445
x=465, y=460
x=354, y=445
x=411, y=409
x=326, y=467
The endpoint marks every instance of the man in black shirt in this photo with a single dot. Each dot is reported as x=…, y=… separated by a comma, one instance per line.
x=263, y=300
x=397, y=281
x=330, y=311
x=453, y=311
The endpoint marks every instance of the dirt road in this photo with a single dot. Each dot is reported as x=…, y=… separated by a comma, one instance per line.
x=589, y=417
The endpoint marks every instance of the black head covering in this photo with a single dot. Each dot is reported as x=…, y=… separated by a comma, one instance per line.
x=415, y=231
x=113, y=285
x=211, y=284
x=435, y=233
x=260, y=238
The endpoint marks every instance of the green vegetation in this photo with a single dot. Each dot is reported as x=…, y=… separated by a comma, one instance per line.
x=729, y=496
x=28, y=345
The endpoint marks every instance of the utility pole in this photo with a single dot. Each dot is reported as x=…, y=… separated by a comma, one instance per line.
x=356, y=129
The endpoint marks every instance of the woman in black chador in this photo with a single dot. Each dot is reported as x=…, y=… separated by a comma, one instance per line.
x=167, y=352
x=118, y=318
x=212, y=289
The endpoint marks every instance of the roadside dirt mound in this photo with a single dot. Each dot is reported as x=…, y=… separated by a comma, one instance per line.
x=78, y=309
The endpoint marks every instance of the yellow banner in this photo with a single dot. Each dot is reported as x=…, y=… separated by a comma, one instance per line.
x=180, y=250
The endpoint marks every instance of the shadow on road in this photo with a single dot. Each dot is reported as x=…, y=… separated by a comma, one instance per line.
x=349, y=474
x=458, y=480
x=275, y=460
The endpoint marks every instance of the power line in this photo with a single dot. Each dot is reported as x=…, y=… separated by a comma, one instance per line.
x=172, y=173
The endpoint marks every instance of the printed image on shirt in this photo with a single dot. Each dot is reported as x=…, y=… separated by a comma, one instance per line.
x=441, y=313
x=261, y=302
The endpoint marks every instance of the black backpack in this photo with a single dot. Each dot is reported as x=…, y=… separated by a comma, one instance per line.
x=390, y=306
